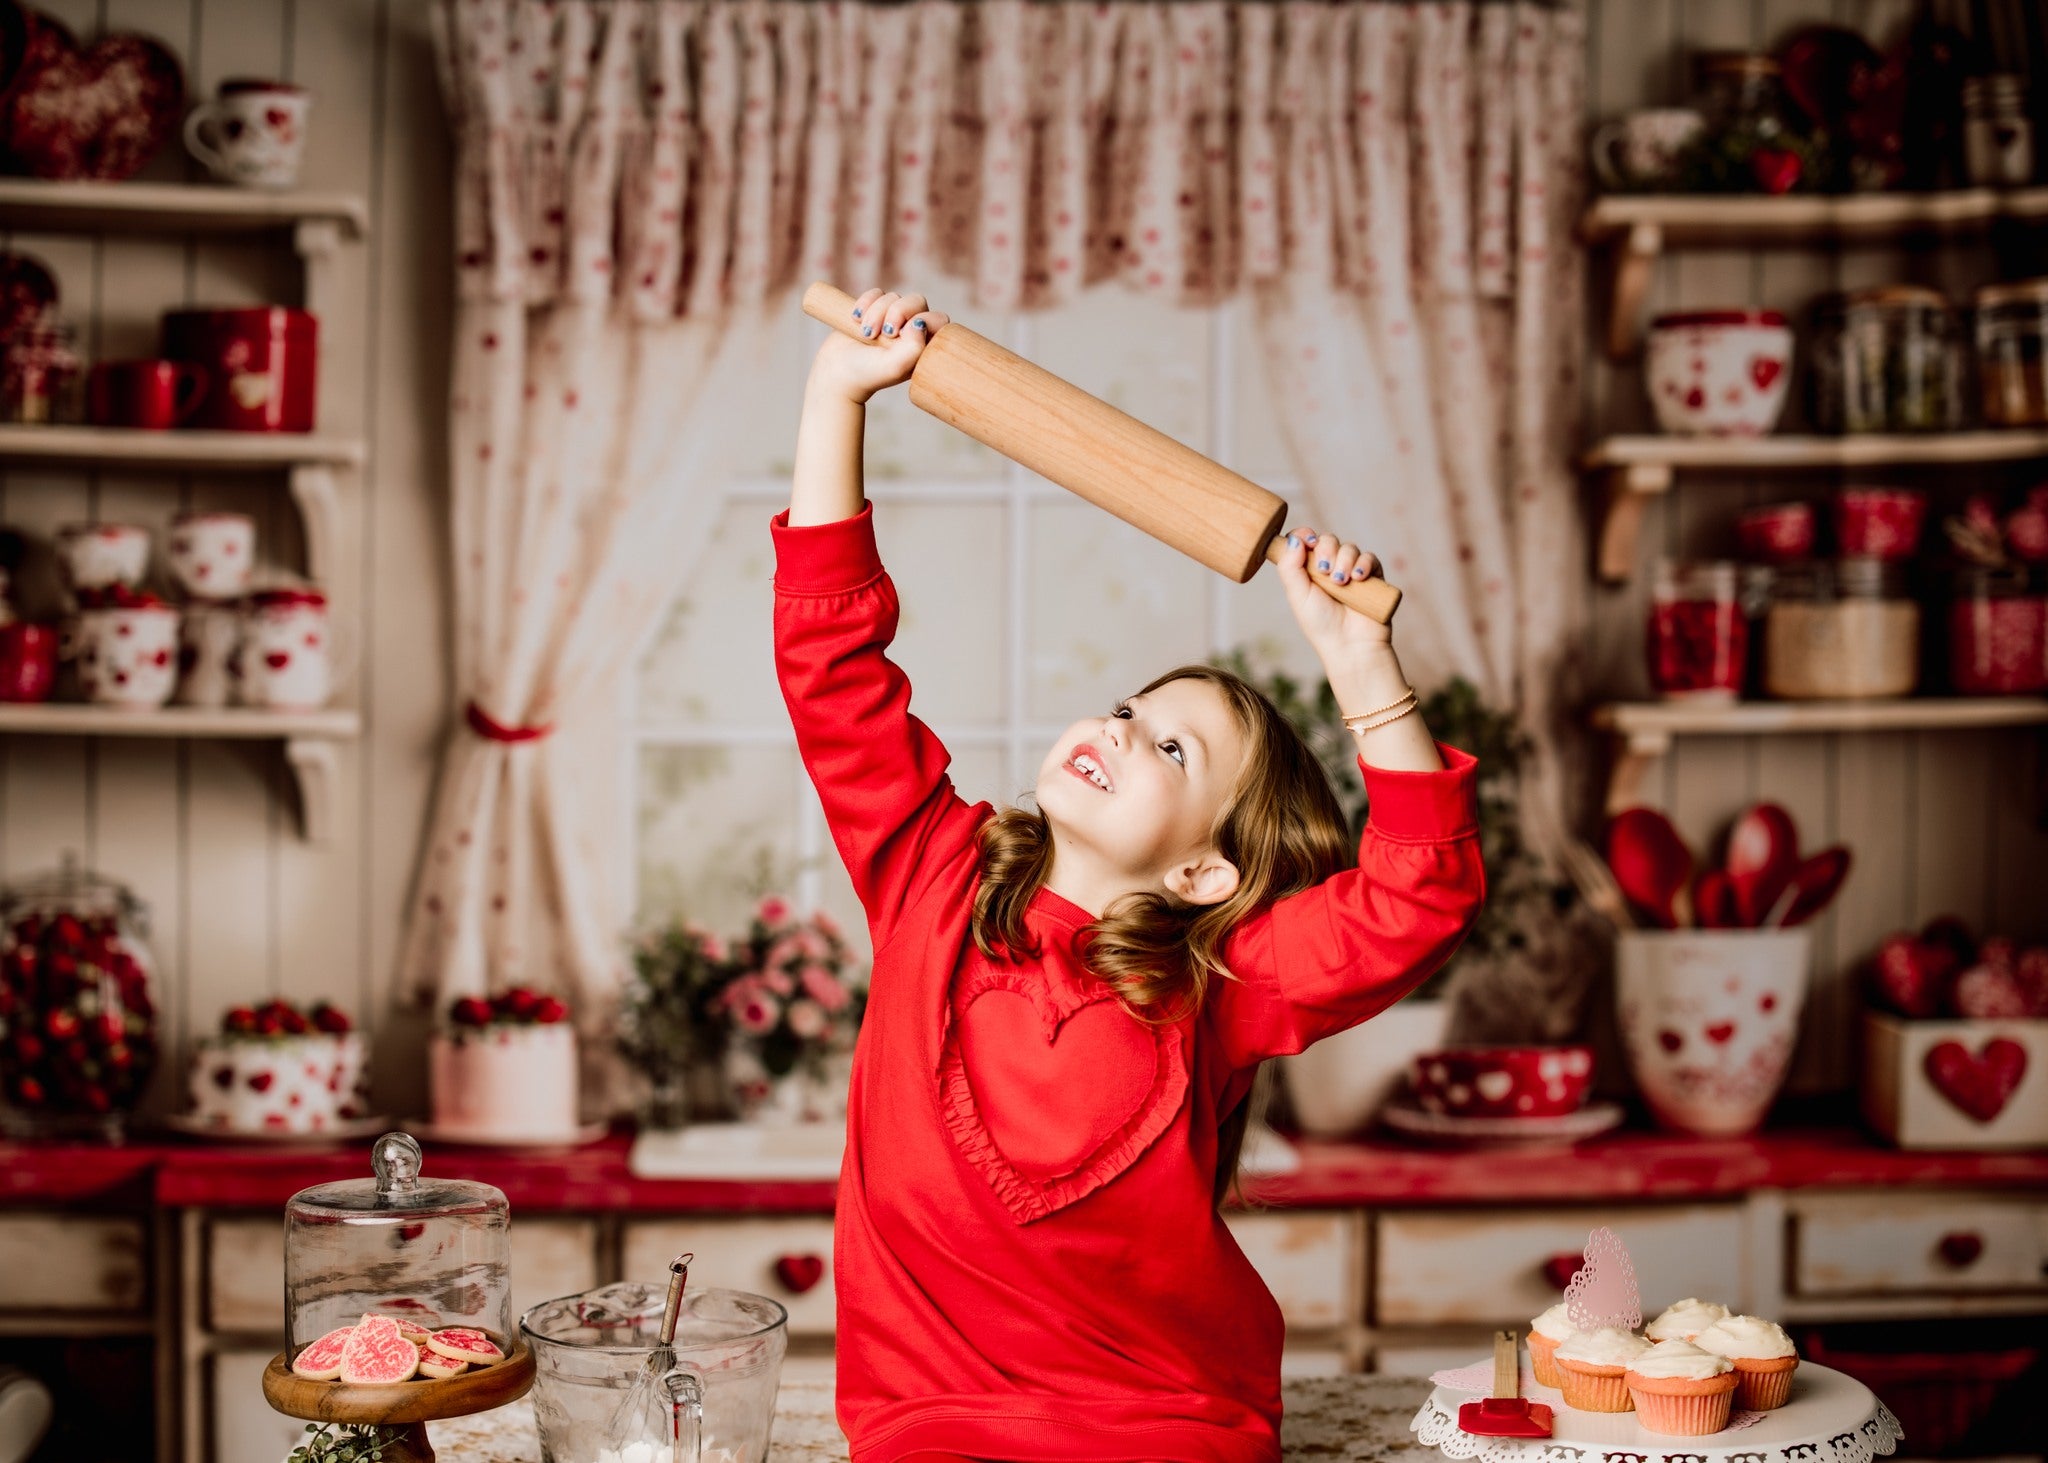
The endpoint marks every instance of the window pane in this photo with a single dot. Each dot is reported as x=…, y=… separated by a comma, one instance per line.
x=951, y=567
x=717, y=830
x=713, y=661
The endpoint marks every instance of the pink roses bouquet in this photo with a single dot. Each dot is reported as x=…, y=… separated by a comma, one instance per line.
x=790, y=993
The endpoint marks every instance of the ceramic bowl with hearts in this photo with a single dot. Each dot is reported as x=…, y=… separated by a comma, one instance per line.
x=1719, y=373
x=1503, y=1081
x=128, y=657
x=1708, y=1021
x=211, y=554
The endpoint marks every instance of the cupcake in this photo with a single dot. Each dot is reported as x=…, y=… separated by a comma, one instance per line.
x=1592, y=1368
x=1684, y=1320
x=1763, y=1354
x=1545, y=1332
x=1681, y=1390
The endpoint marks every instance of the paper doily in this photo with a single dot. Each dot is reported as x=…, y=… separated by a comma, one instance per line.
x=1831, y=1418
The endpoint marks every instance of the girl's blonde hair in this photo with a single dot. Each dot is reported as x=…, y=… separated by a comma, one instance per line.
x=1280, y=826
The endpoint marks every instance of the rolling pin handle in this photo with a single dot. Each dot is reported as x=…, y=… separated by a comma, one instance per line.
x=1374, y=598
x=830, y=305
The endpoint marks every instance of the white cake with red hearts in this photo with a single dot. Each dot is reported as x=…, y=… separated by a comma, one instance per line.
x=276, y=1069
x=504, y=1070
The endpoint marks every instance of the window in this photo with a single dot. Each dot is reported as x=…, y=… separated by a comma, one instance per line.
x=1023, y=606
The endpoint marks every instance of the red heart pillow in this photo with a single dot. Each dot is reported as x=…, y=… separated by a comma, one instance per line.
x=98, y=112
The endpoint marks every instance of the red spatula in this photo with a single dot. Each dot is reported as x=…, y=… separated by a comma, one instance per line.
x=1506, y=1414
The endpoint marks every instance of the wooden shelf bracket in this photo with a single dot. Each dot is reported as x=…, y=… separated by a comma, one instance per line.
x=1628, y=490
x=316, y=767
x=1634, y=263
x=319, y=503
x=1636, y=752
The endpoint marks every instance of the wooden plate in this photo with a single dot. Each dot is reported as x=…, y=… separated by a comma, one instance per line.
x=399, y=1402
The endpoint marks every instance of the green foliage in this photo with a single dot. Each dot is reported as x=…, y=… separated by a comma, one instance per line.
x=344, y=1442
x=669, y=1020
x=1458, y=716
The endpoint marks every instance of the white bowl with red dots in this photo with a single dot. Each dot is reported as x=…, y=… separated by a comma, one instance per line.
x=1719, y=373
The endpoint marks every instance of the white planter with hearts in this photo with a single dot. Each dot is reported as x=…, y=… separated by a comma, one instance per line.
x=286, y=659
x=1708, y=1021
x=1719, y=373
x=128, y=657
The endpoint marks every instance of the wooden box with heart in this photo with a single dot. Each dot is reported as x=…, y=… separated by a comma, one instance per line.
x=1956, y=1084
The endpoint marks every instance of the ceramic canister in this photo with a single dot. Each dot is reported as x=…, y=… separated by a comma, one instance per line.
x=101, y=555
x=285, y=657
x=262, y=366
x=128, y=657
x=211, y=554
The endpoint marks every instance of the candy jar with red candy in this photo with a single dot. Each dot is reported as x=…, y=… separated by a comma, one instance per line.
x=77, y=1014
x=398, y=1306
x=1698, y=637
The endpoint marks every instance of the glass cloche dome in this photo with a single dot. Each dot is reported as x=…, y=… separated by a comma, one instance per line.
x=430, y=1253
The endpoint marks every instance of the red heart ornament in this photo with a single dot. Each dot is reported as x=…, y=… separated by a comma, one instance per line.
x=99, y=112
x=277, y=660
x=1978, y=1086
x=799, y=1273
x=1054, y=1091
x=1720, y=1031
x=1763, y=370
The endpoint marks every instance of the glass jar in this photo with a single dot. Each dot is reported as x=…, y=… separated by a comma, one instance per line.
x=432, y=1254
x=2012, y=347
x=1751, y=144
x=1885, y=360
x=39, y=374
x=1998, y=631
x=1698, y=638
x=78, y=1035
x=1841, y=629
x=1998, y=135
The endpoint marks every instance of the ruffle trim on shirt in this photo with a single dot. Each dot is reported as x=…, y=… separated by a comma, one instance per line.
x=1029, y=1198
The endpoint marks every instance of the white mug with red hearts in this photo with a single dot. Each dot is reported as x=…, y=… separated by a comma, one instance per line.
x=286, y=656
x=128, y=656
x=253, y=134
x=1719, y=373
x=211, y=554
x=102, y=555
x=207, y=637
x=1708, y=1021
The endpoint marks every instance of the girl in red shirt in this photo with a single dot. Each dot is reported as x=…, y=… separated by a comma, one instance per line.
x=1069, y=1003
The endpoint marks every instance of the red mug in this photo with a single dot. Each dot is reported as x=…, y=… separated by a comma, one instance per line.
x=261, y=366
x=28, y=661
x=149, y=394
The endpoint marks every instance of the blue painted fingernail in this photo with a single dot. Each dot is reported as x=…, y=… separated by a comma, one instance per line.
x=1309, y=539
x=1340, y=576
x=867, y=330
x=1292, y=541
x=856, y=312
x=888, y=330
x=1322, y=563
x=920, y=324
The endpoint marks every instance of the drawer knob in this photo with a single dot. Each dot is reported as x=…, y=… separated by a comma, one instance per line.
x=799, y=1273
x=1961, y=1247
x=1560, y=1268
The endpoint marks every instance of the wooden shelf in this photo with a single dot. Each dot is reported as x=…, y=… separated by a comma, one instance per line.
x=1645, y=729
x=1638, y=468
x=1641, y=227
x=31, y=206
x=194, y=451
x=309, y=739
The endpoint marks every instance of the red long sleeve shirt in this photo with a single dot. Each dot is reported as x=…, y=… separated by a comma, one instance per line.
x=1028, y=1260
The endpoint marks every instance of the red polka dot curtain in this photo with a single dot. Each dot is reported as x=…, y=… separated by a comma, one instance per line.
x=1391, y=185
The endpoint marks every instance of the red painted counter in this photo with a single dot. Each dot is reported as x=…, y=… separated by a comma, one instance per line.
x=594, y=1178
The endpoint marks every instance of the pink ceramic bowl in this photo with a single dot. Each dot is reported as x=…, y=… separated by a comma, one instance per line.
x=1879, y=523
x=1719, y=373
x=1503, y=1081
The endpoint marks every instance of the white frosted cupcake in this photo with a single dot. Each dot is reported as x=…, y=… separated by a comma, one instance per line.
x=1685, y=1319
x=1592, y=1368
x=1546, y=1332
x=1680, y=1390
x=1764, y=1358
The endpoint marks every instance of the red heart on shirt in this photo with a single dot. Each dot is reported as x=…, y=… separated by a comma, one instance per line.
x=1053, y=1091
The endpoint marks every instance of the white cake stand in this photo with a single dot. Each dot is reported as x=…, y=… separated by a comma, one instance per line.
x=1831, y=1418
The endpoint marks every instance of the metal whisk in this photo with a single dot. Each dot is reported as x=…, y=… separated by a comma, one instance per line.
x=665, y=1403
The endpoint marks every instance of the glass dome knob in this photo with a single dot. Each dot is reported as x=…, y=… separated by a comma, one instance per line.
x=396, y=1160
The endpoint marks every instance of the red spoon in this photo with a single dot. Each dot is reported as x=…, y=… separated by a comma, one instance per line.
x=1763, y=858
x=1815, y=885
x=1713, y=901
x=1652, y=865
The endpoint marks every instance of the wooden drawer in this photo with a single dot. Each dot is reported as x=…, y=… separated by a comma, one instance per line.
x=245, y=1427
x=1435, y=1267
x=1310, y=1261
x=245, y=1268
x=741, y=1254
x=1892, y=1244
x=73, y=1262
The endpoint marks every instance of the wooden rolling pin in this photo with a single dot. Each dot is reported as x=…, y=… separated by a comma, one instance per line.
x=1110, y=458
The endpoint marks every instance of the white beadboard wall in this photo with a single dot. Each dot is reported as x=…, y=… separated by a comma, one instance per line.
x=206, y=832
x=1940, y=823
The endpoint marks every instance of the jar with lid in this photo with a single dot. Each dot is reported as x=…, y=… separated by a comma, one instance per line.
x=1998, y=631
x=78, y=1037
x=1841, y=629
x=1998, y=135
x=1751, y=144
x=1885, y=360
x=2012, y=348
x=1698, y=636
x=39, y=373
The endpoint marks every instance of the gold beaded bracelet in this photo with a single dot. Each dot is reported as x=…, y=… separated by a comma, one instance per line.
x=1406, y=700
x=1407, y=710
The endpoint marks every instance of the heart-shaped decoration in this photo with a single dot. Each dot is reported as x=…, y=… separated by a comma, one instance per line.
x=277, y=660
x=1764, y=370
x=1980, y=1085
x=1720, y=1031
x=259, y=1081
x=799, y=1273
x=1960, y=1248
x=96, y=112
x=1017, y=1052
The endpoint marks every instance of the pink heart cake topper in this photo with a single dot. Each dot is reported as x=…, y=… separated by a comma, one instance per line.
x=1604, y=1293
